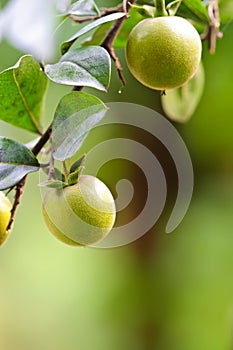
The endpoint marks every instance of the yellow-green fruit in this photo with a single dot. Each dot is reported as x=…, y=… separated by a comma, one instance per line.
x=5, y=214
x=81, y=214
x=163, y=52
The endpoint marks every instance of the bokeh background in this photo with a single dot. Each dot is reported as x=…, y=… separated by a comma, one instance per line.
x=162, y=292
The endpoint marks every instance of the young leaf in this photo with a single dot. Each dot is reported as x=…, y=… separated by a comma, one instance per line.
x=179, y=104
x=83, y=8
x=79, y=163
x=173, y=6
x=76, y=114
x=87, y=66
x=145, y=10
x=76, y=170
x=52, y=184
x=22, y=90
x=16, y=161
x=112, y=17
x=56, y=174
x=74, y=177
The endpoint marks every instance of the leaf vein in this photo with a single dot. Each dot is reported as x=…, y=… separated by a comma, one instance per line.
x=33, y=119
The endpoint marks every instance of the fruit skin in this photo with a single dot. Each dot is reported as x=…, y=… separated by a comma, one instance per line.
x=163, y=52
x=81, y=214
x=5, y=214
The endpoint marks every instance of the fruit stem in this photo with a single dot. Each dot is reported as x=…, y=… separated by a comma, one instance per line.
x=66, y=171
x=160, y=8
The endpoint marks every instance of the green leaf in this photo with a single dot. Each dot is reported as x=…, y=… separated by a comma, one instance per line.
x=16, y=161
x=76, y=170
x=173, y=7
x=22, y=90
x=52, y=184
x=76, y=114
x=80, y=162
x=122, y=37
x=74, y=177
x=83, y=8
x=112, y=17
x=179, y=104
x=87, y=66
x=194, y=9
x=145, y=10
x=3, y=3
x=56, y=174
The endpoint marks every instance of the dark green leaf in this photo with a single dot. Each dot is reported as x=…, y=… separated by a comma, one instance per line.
x=77, y=164
x=112, y=17
x=16, y=161
x=143, y=2
x=73, y=177
x=22, y=89
x=76, y=115
x=83, y=8
x=76, y=170
x=88, y=66
x=179, y=104
x=194, y=9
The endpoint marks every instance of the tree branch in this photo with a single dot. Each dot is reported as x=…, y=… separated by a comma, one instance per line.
x=108, y=45
x=104, y=12
x=213, y=33
x=19, y=189
x=110, y=37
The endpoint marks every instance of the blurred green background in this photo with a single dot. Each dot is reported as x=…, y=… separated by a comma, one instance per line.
x=163, y=292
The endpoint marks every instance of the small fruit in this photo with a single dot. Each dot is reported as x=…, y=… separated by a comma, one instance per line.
x=163, y=52
x=81, y=214
x=5, y=214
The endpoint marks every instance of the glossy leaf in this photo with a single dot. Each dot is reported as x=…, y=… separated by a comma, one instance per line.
x=22, y=90
x=16, y=161
x=83, y=8
x=179, y=104
x=76, y=114
x=112, y=17
x=87, y=66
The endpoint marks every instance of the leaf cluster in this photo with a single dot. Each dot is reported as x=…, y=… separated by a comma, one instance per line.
x=83, y=63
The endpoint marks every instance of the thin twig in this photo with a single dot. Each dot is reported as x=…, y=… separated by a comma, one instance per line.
x=104, y=12
x=213, y=32
x=20, y=186
x=108, y=45
x=125, y=4
x=51, y=161
x=109, y=41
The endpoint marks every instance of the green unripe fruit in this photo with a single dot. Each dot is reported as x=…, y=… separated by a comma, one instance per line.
x=81, y=214
x=5, y=214
x=163, y=52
